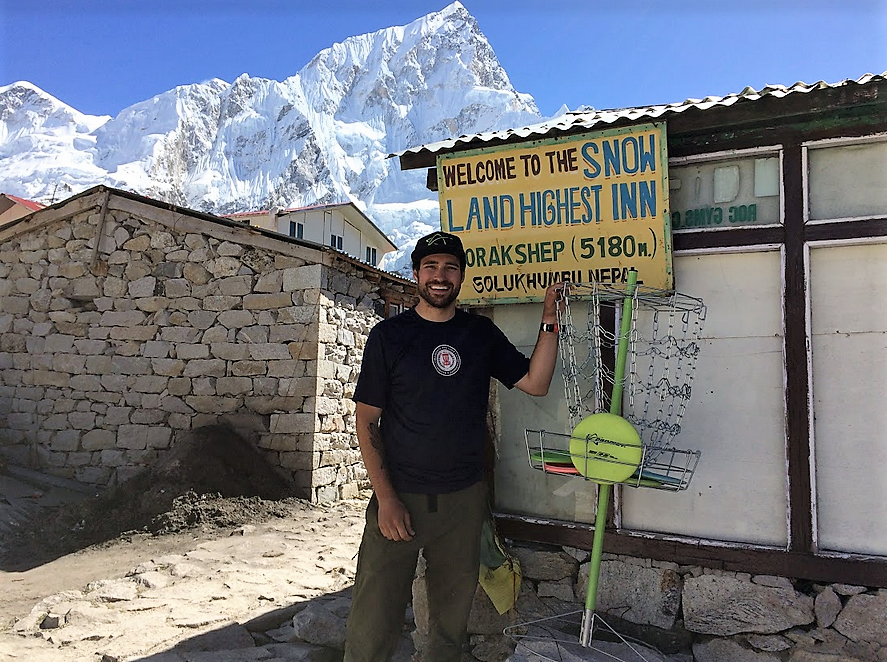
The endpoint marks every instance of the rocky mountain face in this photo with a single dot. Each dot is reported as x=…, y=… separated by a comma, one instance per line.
x=322, y=135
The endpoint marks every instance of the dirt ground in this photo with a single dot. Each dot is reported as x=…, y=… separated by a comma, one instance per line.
x=208, y=484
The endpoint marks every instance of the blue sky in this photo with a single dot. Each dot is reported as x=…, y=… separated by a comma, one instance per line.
x=101, y=56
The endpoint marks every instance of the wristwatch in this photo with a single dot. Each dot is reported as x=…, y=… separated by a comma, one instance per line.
x=548, y=327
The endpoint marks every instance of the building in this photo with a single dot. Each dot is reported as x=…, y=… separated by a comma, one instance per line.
x=778, y=212
x=13, y=207
x=341, y=226
x=124, y=320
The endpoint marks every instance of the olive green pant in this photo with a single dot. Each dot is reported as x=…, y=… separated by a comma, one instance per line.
x=448, y=530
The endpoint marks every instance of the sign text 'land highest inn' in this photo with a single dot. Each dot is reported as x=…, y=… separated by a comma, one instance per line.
x=586, y=208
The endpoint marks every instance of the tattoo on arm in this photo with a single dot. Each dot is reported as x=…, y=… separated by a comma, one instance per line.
x=378, y=444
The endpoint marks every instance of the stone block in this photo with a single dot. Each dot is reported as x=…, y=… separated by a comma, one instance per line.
x=256, y=334
x=863, y=618
x=138, y=244
x=291, y=368
x=143, y=287
x=324, y=406
x=130, y=365
x=58, y=342
x=65, y=440
x=112, y=458
x=81, y=420
x=97, y=440
x=98, y=365
x=286, y=333
x=236, y=319
x=323, y=476
x=196, y=274
x=229, y=351
x=202, y=319
x=292, y=423
x=300, y=386
x=132, y=437
x=297, y=315
x=159, y=437
x=71, y=363
x=220, y=302
x=235, y=286
x=204, y=386
x=122, y=318
x=234, y=385
x=273, y=404
x=179, y=386
x=86, y=383
x=50, y=378
x=115, y=383
x=150, y=384
x=248, y=368
x=205, y=368
x=827, y=606
x=180, y=334
x=90, y=347
x=269, y=282
x=118, y=415
x=299, y=461
x=223, y=266
x=267, y=301
x=269, y=351
x=152, y=304
x=187, y=351
x=302, y=278
x=184, y=303
x=724, y=606
x=175, y=405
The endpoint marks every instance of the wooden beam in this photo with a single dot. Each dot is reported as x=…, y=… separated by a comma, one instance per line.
x=797, y=390
x=846, y=569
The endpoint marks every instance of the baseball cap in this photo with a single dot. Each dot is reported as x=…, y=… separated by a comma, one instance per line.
x=438, y=242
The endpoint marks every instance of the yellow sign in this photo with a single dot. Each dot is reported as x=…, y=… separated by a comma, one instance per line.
x=579, y=209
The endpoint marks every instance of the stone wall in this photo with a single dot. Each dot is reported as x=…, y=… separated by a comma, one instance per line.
x=174, y=323
x=688, y=612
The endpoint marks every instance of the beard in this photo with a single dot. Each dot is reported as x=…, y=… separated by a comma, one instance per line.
x=438, y=299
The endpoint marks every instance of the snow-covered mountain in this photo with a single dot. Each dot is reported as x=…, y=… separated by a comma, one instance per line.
x=320, y=136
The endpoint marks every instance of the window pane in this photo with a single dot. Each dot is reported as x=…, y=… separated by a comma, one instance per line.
x=736, y=415
x=724, y=194
x=739, y=490
x=848, y=181
x=849, y=326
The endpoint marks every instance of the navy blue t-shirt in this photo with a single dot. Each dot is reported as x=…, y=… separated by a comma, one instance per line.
x=432, y=381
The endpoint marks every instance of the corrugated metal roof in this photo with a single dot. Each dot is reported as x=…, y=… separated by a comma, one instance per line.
x=575, y=121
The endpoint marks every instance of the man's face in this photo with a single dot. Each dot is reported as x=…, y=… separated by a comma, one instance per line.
x=439, y=278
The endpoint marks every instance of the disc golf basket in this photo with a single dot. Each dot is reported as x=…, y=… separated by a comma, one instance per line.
x=629, y=356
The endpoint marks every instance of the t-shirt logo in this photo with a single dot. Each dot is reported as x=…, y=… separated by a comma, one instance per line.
x=446, y=360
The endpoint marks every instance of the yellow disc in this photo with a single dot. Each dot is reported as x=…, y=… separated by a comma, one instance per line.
x=605, y=448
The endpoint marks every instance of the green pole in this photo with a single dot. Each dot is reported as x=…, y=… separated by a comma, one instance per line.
x=603, y=497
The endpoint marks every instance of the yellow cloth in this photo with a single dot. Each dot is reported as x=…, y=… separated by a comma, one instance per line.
x=500, y=573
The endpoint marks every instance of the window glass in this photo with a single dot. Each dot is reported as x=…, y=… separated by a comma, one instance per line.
x=739, y=490
x=847, y=181
x=849, y=381
x=724, y=194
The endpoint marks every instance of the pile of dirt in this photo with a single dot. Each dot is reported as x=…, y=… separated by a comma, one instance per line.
x=210, y=478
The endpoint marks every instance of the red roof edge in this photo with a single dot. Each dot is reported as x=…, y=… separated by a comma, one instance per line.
x=30, y=204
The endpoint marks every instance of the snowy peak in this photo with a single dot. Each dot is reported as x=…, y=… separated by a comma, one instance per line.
x=23, y=105
x=319, y=136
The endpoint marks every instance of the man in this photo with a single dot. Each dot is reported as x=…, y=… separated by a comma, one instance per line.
x=422, y=400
